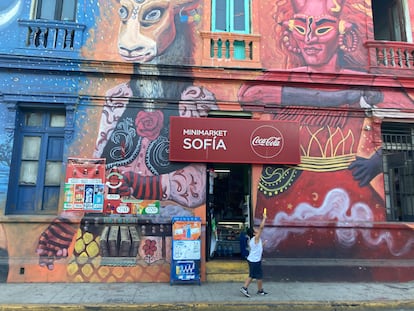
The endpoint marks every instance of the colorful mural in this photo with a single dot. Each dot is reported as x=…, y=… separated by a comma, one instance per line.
x=160, y=32
x=331, y=205
x=133, y=137
x=339, y=181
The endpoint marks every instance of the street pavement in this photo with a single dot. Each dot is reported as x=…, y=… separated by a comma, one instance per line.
x=286, y=296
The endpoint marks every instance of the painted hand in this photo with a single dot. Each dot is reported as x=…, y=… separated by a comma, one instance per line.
x=372, y=97
x=196, y=102
x=125, y=188
x=364, y=170
x=54, y=242
x=187, y=185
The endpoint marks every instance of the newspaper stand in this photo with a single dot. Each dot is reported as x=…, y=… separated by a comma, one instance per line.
x=186, y=250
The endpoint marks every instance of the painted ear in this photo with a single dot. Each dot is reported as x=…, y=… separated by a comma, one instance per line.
x=287, y=25
x=345, y=26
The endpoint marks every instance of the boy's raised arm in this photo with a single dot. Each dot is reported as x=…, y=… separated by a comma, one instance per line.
x=259, y=232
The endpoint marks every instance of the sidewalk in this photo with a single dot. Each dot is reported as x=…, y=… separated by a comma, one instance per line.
x=207, y=296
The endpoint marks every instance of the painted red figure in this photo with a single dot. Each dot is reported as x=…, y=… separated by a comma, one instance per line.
x=335, y=183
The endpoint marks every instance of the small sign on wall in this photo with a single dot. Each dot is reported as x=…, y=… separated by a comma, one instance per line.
x=87, y=197
x=119, y=205
x=84, y=185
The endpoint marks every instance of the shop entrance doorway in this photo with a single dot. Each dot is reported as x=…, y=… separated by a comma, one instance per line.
x=228, y=210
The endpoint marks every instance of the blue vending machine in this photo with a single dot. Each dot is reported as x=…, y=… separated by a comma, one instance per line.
x=186, y=249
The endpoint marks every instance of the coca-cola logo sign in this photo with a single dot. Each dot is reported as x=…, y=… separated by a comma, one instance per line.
x=266, y=141
x=231, y=140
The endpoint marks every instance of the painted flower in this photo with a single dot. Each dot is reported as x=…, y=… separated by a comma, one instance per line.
x=149, y=123
x=150, y=247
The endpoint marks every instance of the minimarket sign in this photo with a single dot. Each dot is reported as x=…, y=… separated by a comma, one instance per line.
x=226, y=140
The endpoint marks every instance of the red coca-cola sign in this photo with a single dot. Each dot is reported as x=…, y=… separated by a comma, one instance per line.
x=228, y=140
x=267, y=141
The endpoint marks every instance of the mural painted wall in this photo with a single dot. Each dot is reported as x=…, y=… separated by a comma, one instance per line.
x=134, y=138
x=330, y=206
x=132, y=135
x=313, y=208
x=160, y=32
x=9, y=12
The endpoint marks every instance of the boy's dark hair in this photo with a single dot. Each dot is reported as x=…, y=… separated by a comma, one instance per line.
x=250, y=232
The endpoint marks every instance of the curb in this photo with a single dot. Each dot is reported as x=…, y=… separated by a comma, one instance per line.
x=228, y=306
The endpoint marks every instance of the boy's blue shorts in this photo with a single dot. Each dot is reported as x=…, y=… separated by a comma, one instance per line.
x=255, y=270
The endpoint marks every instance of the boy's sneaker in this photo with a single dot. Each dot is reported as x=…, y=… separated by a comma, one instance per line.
x=244, y=291
x=262, y=292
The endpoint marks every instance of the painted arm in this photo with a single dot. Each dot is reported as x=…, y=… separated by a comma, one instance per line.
x=260, y=230
x=310, y=97
x=116, y=101
x=55, y=241
x=185, y=186
x=293, y=96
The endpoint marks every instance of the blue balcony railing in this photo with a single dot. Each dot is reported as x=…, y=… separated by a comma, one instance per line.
x=53, y=35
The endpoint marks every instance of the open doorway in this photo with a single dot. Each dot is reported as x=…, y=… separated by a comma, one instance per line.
x=228, y=210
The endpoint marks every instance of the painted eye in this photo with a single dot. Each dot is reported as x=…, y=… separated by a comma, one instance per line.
x=123, y=12
x=153, y=15
x=323, y=30
x=300, y=30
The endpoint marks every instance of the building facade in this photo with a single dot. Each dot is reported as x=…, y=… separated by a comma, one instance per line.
x=119, y=115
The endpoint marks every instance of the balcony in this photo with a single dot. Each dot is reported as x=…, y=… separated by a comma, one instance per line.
x=52, y=35
x=223, y=49
x=390, y=55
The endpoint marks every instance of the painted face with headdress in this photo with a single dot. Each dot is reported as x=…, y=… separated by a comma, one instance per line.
x=316, y=31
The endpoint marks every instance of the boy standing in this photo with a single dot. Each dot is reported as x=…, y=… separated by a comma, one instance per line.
x=255, y=259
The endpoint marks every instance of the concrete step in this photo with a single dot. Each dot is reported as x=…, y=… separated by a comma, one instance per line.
x=226, y=270
x=314, y=270
x=337, y=270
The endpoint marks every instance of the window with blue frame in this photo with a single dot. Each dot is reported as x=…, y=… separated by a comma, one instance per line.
x=232, y=16
x=37, y=162
x=60, y=10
